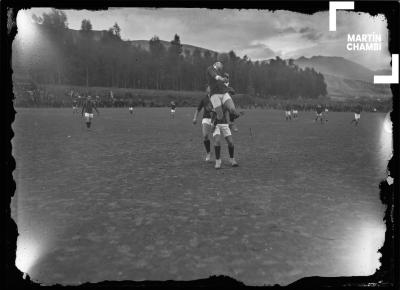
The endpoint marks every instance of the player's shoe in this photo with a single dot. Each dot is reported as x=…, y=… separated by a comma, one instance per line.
x=218, y=164
x=208, y=157
x=234, y=163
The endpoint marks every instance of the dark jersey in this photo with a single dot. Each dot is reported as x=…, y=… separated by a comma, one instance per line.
x=319, y=110
x=358, y=110
x=206, y=105
x=287, y=108
x=75, y=103
x=216, y=87
x=173, y=106
x=88, y=106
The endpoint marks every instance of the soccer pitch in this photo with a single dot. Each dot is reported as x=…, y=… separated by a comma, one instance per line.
x=133, y=199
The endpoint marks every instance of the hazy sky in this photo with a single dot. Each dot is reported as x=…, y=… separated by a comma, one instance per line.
x=260, y=34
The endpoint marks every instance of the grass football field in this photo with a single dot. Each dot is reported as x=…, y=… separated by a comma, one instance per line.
x=132, y=198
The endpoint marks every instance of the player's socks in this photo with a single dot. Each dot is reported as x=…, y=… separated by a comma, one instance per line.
x=217, y=152
x=87, y=125
x=207, y=145
x=231, y=151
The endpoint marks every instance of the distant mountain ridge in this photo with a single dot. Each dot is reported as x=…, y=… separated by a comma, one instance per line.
x=346, y=79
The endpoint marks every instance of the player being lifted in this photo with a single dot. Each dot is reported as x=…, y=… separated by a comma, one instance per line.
x=222, y=128
x=219, y=96
x=173, y=108
x=87, y=108
x=357, y=115
x=319, y=110
x=206, y=106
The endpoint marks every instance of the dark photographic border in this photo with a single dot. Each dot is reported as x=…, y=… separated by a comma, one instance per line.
x=385, y=278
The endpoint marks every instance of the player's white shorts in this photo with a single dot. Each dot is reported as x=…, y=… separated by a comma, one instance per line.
x=357, y=116
x=130, y=108
x=222, y=128
x=219, y=99
x=206, y=121
x=319, y=115
x=172, y=111
x=88, y=115
x=287, y=113
x=295, y=112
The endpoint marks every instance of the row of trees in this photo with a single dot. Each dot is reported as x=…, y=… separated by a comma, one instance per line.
x=101, y=58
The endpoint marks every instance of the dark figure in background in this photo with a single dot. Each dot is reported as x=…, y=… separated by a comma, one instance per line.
x=173, y=109
x=357, y=115
x=288, y=114
x=74, y=106
x=319, y=111
x=87, y=108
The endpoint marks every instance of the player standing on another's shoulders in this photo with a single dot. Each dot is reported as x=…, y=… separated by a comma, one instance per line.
x=357, y=115
x=319, y=111
x=87, y=108
x=173, y=108
x=219, y=96
x=206, y=125
x=222, y=127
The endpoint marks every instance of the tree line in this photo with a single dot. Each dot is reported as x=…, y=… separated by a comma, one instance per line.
x=101, y=58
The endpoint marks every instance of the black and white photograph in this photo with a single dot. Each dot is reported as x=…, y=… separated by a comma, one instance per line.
x=181, y=143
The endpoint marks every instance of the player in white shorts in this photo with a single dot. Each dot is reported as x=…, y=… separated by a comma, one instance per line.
x=173, y=108
x=319, y=110
x=206, y=106
x=288, y=115
x=357, y=115
x=295, y=113
x=222, y=128
x=219, y=96
x=87, y=108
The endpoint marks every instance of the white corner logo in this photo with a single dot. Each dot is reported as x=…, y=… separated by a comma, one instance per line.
x=394, y=78
x=333, y=6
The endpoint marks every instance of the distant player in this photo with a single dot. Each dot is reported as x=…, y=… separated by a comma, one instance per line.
x=173, y=108
x=74, y=106
x=206, y=106
x=326, y=114
x=130, y=107
x=357, y=115
x=222, y=128
x=288, y=115
x=295, y=113
x=319, y=111
x=87, y=108
x=219, y=97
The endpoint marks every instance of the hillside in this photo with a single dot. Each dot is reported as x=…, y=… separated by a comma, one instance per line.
x=344, y=89
x=346, y=79
x=144, y=44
